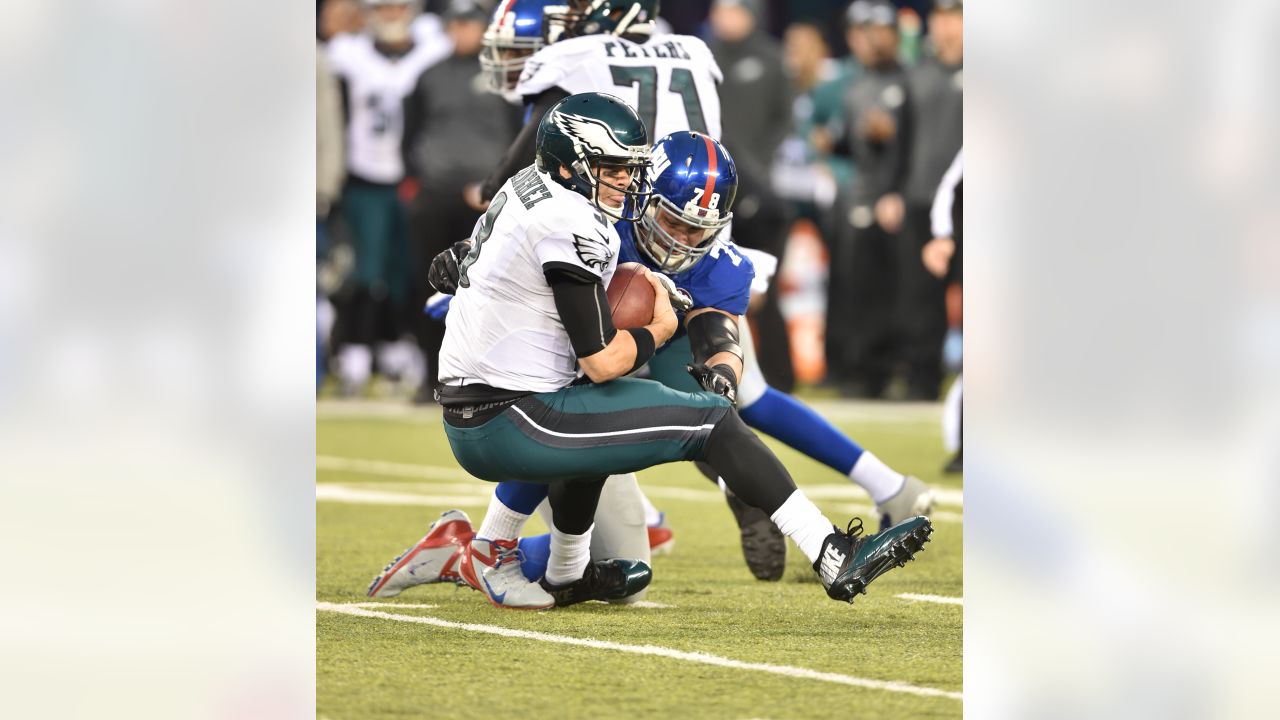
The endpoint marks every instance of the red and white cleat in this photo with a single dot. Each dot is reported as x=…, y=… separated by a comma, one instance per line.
x=661, y=540
x=493, y=568
x=435, y=558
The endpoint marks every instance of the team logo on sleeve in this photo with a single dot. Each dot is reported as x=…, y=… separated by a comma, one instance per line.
x=592, y=252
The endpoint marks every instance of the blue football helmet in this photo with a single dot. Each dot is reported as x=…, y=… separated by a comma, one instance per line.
x=694, y=184
x=515, y=32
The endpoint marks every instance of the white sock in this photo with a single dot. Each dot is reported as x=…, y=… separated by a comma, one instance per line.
x=652, y=517
x=802, y=521
x=879, y=480
x=501, y=522
x=569, y=556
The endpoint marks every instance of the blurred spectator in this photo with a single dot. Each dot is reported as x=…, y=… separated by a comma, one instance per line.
x=339, y=16
x=936, y=98
x=942, y=256
x=378, y=68
x=455, y=132
x=330, y=167
x=330, y=171
x=860, y=349
x=755, y=101
x=805, y=172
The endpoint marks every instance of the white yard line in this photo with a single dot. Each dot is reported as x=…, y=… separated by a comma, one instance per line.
x=648, y=604
x=867, y=512
x=944, y=496
x=402, y=606
x=932, y=598
x=390, y=469
x=696, y=657
x=347, y=494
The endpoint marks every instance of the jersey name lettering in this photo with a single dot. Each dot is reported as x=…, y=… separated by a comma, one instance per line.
x=529, y=187
x=670, y=49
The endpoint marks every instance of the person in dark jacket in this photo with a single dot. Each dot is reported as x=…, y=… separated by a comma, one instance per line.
x=877, y=126
x=455, y=131
x=755, y=101
x=936, y=98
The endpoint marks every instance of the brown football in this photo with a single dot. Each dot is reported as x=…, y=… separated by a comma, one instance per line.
x=630, y=297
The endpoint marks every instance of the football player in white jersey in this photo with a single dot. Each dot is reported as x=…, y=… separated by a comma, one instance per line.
x=377, y=69
x=530, y=303
x=611, y=46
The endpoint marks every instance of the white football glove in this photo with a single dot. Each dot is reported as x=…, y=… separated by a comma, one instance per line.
x=681, y=300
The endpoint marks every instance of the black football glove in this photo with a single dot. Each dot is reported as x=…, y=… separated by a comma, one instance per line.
x=443, y=274
x=719, y=379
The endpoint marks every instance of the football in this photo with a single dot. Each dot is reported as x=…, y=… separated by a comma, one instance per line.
x=630, y=297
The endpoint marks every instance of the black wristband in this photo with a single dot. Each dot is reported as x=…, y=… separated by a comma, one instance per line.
x=725, y=371
x=645, y=347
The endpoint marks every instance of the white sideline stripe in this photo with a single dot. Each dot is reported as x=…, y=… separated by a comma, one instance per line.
x=944, y=496
x=342, y=493
x=611, y=433
x=932, y=599
x=697, y=657
x=381, y=467
x=335, y=492
x=407, y=606
x=649, y=604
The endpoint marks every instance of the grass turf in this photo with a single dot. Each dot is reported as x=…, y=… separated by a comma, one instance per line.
x=374, y=668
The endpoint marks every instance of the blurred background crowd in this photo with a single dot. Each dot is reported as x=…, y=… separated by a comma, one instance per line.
x=842, y=119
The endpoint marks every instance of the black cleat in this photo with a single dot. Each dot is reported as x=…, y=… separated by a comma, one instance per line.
x=848, y=562
x=764, y=547
x=603, y=580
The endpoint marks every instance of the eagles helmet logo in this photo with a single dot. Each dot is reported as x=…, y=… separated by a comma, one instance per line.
x=592, y=136
x=593, y=253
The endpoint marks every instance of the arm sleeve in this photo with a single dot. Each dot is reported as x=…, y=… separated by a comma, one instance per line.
x=583, y=308
x=520, y=154
x=940, y=214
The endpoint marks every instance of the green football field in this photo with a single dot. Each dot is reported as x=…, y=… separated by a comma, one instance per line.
x=711, y=641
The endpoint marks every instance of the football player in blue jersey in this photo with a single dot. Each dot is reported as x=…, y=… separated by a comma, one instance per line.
x=683, y=233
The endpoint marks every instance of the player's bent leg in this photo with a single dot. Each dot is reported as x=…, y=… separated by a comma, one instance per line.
x=620, y=531
x=585, y=431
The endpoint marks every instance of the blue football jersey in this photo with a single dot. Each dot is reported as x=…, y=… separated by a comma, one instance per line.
x=721, y=280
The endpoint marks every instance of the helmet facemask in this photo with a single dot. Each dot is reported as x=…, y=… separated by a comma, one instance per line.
x=677, y=238
x=635, y=194
x=503, y=60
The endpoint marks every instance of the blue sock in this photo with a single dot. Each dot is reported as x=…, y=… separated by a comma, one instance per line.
x=521, y=497
x=536, y=552
x=781, y=416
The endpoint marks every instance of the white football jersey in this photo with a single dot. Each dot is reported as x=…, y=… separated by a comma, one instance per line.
x=376, y=88
x=669, y=79
x=503, y=328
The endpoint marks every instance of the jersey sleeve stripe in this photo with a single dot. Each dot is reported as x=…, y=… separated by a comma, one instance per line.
x=711, y=173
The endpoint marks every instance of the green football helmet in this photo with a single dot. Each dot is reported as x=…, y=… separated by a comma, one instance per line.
x=588, y=132
x=600, y=17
